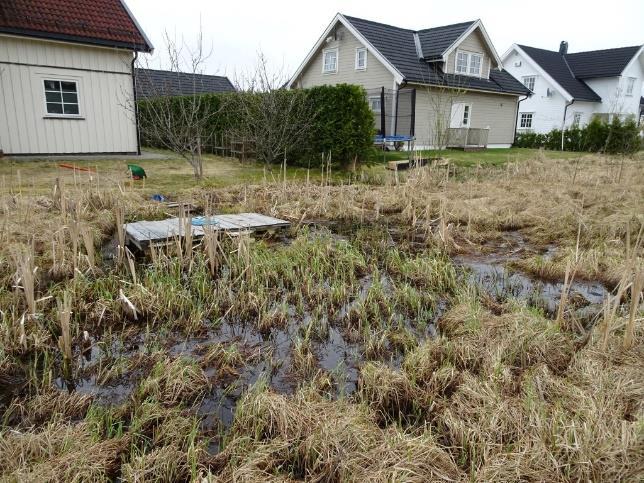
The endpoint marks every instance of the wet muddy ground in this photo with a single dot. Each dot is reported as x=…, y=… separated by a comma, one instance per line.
x=112, y=369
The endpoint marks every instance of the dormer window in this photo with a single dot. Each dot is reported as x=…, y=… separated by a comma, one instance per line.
x=468, y=63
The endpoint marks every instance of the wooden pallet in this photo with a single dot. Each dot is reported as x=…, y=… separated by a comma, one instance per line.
x=142, y=234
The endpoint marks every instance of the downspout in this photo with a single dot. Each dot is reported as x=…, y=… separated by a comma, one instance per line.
x=516, y=121
x=563, y=122
x=136, y=106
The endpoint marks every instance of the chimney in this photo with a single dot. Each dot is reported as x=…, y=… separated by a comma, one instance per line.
x=563, y=47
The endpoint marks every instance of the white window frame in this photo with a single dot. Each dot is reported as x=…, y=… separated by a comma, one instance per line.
x=630, y=85
x=337, y=60
x=468, y=63
x=525, y=79
x=577, y=117
x=359, y=50
x=467, y=109
x=53, y=78
x=375, y=98
x=521, y=119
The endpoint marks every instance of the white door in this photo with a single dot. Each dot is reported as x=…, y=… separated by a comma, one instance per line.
x=461, y=115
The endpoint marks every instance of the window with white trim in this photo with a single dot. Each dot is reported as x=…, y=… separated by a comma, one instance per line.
x=466, y=115
x=374, y=104
x=475, y=64
x=330, y=61
x=630, y=85
x=462, y=59
x=468, y=63
x=529, y=81
x=61, y=97
x=361, y=58
x=576, y=119
x=526, y=120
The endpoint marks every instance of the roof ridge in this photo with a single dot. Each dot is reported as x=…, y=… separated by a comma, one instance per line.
x=469, y=22
x=349, y=17
x=179, y=72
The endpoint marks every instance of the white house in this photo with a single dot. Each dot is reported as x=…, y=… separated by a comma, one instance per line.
x=570, y=89
x=67, y=77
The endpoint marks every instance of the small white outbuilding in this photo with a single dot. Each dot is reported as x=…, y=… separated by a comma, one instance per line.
x=67, y=77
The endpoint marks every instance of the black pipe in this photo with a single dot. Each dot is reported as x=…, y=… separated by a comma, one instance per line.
x=382, y=112
x=412, y=127
x=563, y=122
x=136, y=106
x=516, y=124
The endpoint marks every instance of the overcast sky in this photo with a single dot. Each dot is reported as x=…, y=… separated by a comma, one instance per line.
x=285, y=30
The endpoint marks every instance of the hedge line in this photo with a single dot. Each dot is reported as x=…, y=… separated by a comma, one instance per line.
x=342, y=122
x=616, y=137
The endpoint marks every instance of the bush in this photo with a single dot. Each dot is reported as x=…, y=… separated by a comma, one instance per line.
x=342, y=124
x=616, y=137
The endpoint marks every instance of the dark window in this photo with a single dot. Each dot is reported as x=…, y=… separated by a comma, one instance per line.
x=61, y=97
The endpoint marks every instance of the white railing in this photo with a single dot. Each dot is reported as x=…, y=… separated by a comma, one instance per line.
x=467, y=137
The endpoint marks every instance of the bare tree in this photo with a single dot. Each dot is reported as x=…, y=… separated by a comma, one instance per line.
x=274, y=120
x=180, y=123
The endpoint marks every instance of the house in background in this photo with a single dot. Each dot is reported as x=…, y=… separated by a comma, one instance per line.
x=405, y=71
x=570, y=89
x=67, y=77
x=153, y=83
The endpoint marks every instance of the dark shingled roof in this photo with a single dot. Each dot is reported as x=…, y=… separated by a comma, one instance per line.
x=570, y=70
x=397, y=45
x=99, y=22
x=437, y=40
x=154, y=83
x=556, y=66
x=601, y=63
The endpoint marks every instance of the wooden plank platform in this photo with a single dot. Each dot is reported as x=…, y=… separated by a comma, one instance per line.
x=143, y=233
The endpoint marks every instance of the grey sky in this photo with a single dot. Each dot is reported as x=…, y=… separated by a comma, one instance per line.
x=285, y=30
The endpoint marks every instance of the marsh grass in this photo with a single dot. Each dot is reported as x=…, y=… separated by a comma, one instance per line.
x=501, y=393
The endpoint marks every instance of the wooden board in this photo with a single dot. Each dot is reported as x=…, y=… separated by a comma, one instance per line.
x=143, y=233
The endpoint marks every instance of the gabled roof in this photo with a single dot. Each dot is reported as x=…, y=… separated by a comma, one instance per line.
x=99, y=22
x=154, y=83
x=601, y=63
x=557, y=67
x=398, y=50
x=434, y=41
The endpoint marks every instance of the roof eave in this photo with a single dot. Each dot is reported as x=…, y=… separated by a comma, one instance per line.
x=76, y=39
x=476, y=24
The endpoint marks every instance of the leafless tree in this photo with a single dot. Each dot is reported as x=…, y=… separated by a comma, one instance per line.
x=442, y=93
x=272, y=119
x=179, y=123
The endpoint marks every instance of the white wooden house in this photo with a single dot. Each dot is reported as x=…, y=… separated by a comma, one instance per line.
x=67, y=77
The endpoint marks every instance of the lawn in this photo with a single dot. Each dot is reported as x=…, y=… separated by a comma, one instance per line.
x=170, y=176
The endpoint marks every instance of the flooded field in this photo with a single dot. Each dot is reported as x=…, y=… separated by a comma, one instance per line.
x=416, y=331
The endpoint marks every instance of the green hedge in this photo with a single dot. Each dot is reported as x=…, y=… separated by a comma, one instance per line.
x=343, y=123
x=616, y=137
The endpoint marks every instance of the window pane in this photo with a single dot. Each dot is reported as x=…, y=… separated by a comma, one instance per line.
x=70, y=97
x=54, y=108
x=52, y=85
x=475, y=64
x=52, y=96
x=461, y=62
x=68, y=86
x=71, y=108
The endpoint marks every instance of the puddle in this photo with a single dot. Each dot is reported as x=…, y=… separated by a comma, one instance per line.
x=489, y=271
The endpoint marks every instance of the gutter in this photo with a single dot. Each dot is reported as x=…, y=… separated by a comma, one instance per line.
x=516, y=121
x=136, y=106
x=563, y=122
